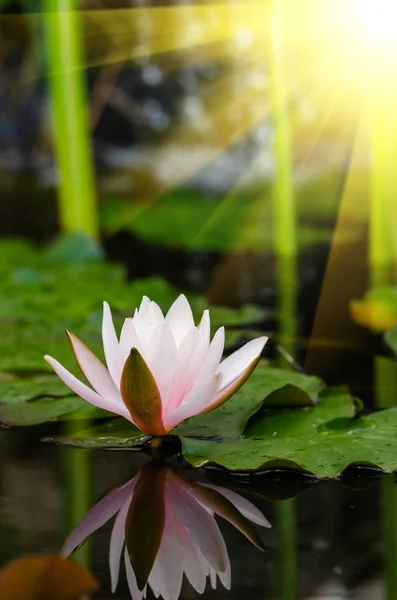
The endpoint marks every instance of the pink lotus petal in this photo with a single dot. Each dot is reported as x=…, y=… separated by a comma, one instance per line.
x=95, y=371
x=167, y=573
x=131, y=579
x=195, y=402
x=246, y=507
x=205, y=324
x=195, y=565
x=117, y=542
x=97, y=516
x=128, y=339
x=162, y=359
x=144, y=306
x=84, y=391
x=110, y=344
x=143, y=330
x=225, y=508
x=225, y=393
x=180, y=318
x=200, y=525
x=233, y=366
x=184, y=376
x=154, y=314
x=211, y=361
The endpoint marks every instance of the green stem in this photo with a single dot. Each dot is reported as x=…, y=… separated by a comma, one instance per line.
x=383, y=215
x=283, y=195
x=286, y=304
x=389, y=528
x=286, y=541
x=77, y=195
x=77, y=466
x=385, y=375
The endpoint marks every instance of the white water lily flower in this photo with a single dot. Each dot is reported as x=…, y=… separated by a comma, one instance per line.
x=162, y=370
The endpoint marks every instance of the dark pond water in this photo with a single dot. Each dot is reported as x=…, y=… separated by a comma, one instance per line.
x=327, y=542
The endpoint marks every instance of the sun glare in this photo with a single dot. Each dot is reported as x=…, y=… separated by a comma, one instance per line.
x=378, y=20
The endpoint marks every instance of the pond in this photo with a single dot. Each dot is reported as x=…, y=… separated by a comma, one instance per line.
x=328, y=541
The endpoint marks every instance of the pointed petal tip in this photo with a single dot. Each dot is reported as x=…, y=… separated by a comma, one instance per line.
x=262, y=341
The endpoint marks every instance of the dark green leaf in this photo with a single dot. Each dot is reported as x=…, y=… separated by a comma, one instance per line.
x=43, y=410
x=117, y=433
x=323, y=440
x=266, y=386
x=23, y=389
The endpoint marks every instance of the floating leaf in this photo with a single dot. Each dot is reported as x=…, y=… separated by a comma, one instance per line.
x=47, y=409
x=117, y=433
x=23, y=389
x=266, y=387
x=377, y=310
x=45, y=577
x=323, y=440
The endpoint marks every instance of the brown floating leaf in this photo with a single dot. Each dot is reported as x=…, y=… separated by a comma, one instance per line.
x=46, y=577
x=145, y=522
x=141, y=395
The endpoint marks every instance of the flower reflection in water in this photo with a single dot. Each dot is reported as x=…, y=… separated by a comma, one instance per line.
x=166, y=525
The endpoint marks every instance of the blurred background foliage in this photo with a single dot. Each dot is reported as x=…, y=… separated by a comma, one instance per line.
x=233, y=149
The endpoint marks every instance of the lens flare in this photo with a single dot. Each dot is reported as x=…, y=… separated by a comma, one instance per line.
x=378, y=20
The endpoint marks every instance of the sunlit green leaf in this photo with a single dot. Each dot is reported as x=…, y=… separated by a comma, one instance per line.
x=188, y=218
x=266, y=386
x=322, y=440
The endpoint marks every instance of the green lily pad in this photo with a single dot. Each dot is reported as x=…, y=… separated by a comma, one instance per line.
x=45, y=409
x=266, y=387
x=227, y=421
x=23, y=389
x=41, y=410
x=323, y=440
